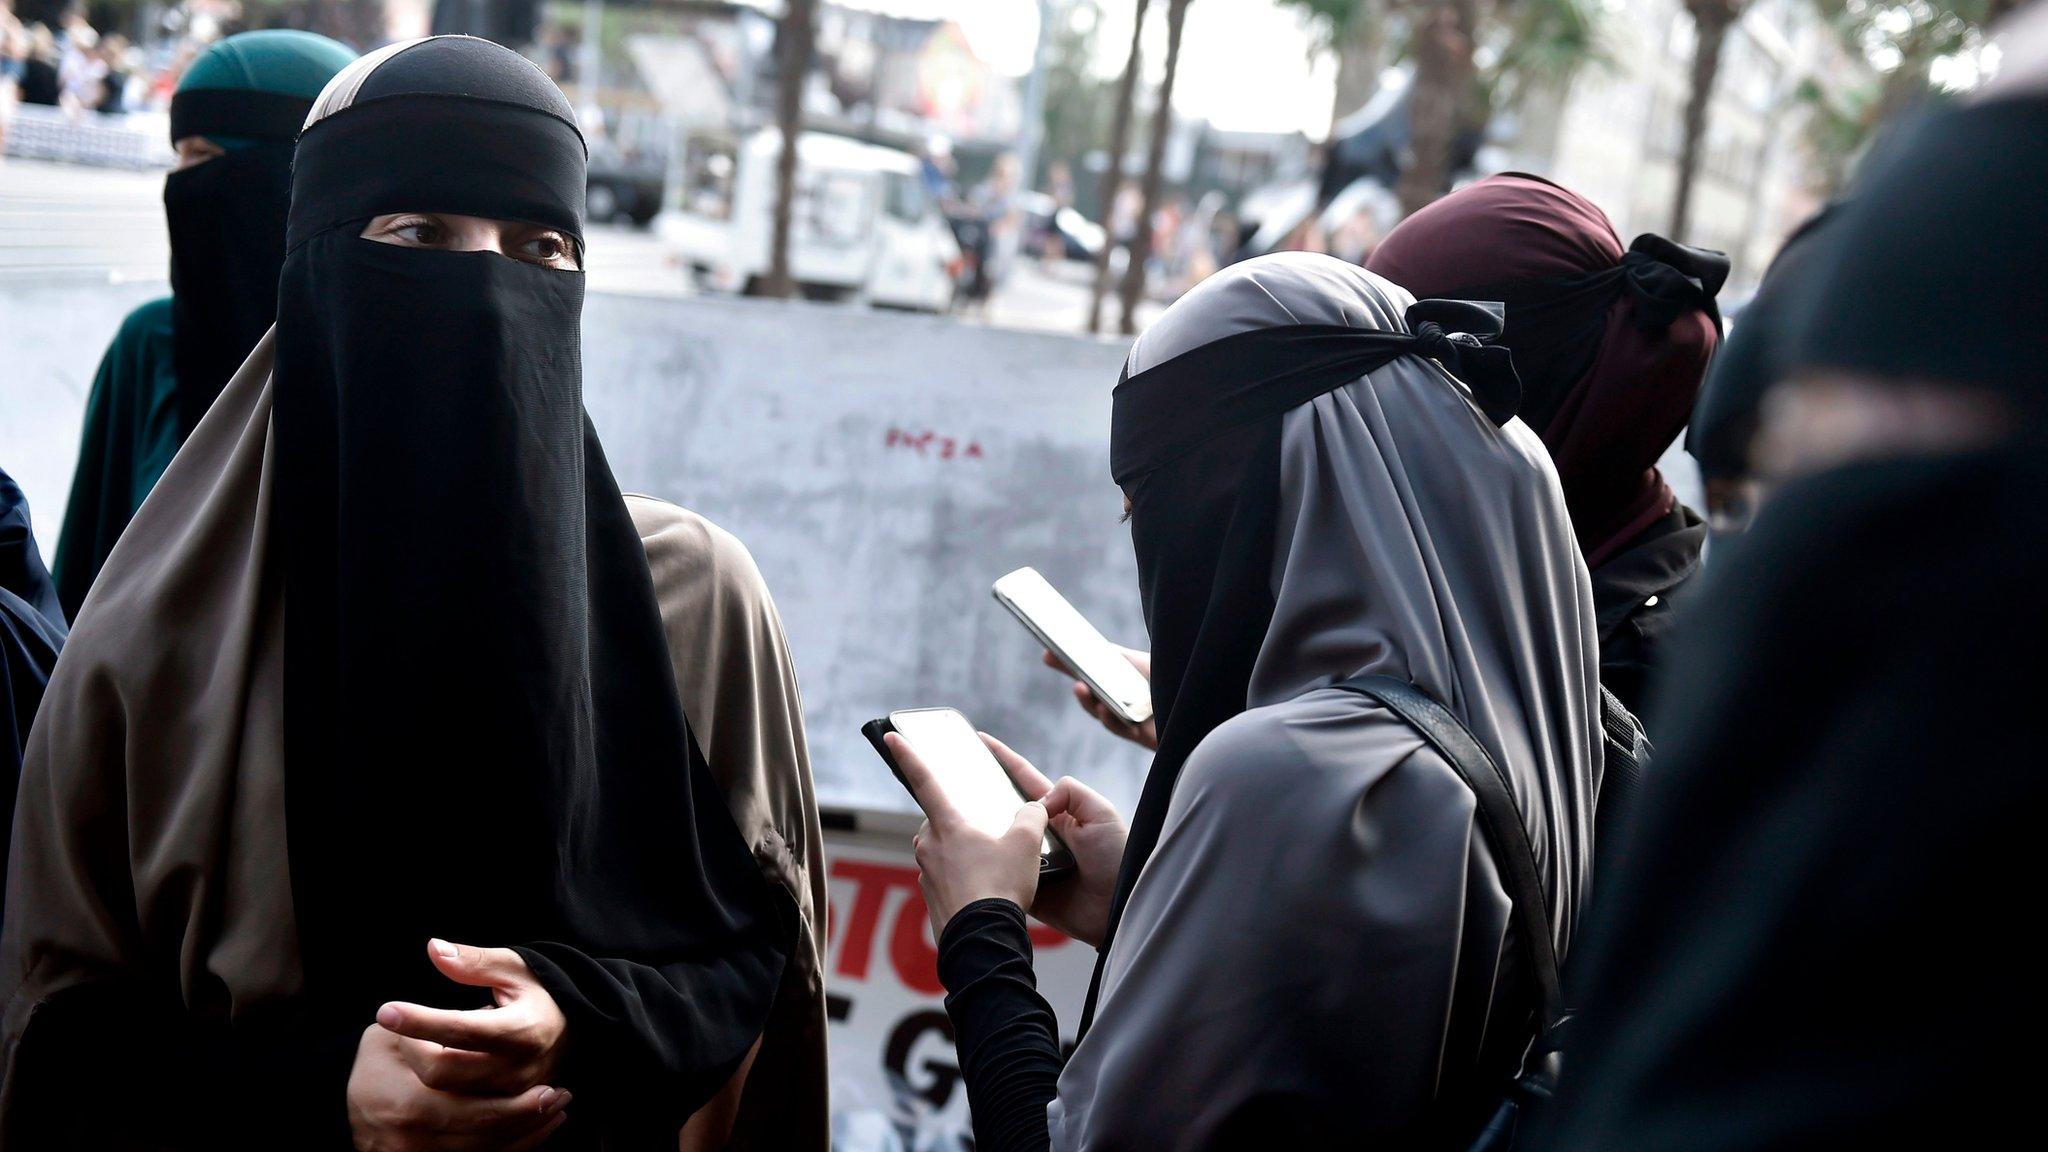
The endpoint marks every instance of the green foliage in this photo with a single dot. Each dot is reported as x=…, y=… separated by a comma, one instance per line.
x=1911, y=35
x=1838, y=121
x=1078, y=104
x=1901, y=41
x=1544, y=44
x=1330, y=21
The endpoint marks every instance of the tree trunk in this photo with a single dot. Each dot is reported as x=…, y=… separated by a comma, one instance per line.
x=1444, y=72
x=793, y=42
x=1113, y=176
x=1155, y=160
x=1711, y=20
x=1358, y=63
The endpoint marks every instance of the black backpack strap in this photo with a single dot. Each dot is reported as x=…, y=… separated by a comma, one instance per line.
x=1499, y=816
x=1621, y=780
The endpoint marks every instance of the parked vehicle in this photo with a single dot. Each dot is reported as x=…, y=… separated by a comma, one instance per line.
x=863, y=226
x=1047, y=225
x=625, y=184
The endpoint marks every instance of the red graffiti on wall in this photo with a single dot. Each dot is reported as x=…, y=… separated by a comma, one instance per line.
x=930, y=443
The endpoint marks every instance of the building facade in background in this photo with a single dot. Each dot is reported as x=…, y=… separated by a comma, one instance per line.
x=1615, y=135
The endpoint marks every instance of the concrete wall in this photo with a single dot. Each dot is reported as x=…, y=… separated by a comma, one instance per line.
x=884, y=470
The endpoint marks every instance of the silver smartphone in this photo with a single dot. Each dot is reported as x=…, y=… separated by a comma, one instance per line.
x=975, y=783
x=1068, y=635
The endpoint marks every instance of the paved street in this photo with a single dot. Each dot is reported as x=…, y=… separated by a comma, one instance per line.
x=74, y=224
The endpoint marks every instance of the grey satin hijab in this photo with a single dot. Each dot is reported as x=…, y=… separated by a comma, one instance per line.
x=1321, y=938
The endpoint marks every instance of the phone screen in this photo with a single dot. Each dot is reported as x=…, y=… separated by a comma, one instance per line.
x=1073, y=639
x=966, y=769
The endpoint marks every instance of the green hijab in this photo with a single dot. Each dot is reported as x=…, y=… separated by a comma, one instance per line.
x=281, y=61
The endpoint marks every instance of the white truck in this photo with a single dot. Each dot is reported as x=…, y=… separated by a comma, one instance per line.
x=863, y=227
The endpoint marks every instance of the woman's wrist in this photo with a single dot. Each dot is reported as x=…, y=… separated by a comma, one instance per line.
x=985, y=933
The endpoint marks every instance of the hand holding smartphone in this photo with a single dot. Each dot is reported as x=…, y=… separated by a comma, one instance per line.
x=973, y=782
x=1085, y=652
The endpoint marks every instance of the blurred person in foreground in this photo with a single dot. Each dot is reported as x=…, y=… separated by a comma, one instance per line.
x=1722, y=432
x=1823, y=940
x=368, y=804
x=1610, y=345
x=1304, y=937
x=236, y=112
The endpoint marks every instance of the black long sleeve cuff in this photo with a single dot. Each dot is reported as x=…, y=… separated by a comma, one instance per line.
x=1007, y=1036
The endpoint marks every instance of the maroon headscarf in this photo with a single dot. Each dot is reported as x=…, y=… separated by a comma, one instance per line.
x=1610, y=345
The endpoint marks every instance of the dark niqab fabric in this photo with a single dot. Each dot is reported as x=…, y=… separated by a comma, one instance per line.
x=226, y=221
x=1636, y=596
x=1822, y=941
x=31, y=634
x=21, y=562
x=475, y=662
x=1610, y=343
x=1938, y=276
x=249, y=94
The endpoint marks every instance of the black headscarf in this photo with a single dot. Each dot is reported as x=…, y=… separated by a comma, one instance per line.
x=1821, y=939
x=21, y=562
x=1724, y=419
x=1195, y=443
x=482, y=732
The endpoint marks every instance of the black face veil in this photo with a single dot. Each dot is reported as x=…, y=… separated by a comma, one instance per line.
x=483, y=737
x=226, y=219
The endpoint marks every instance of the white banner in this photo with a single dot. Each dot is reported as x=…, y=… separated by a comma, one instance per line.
x=895, y=1079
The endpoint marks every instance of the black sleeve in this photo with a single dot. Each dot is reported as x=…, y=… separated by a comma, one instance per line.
x=1006, y=1034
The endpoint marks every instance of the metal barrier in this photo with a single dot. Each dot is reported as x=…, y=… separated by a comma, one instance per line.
x=135, y=140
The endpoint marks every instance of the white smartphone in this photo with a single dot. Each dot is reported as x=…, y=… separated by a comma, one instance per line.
x=975, y=783
x=1068, y=635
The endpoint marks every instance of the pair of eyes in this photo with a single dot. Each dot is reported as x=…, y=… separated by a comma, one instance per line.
x=530, y=243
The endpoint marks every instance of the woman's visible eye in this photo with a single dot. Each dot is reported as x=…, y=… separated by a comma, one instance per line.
x=422, y=231
x=550, y=248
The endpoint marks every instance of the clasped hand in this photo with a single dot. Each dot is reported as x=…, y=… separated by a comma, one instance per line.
x=434, y=1078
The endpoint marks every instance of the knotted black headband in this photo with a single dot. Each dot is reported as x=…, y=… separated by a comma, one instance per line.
x=1172, y=407
x=1663, y=278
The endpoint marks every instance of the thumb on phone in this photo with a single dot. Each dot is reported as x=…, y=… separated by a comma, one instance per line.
x=1029, y=825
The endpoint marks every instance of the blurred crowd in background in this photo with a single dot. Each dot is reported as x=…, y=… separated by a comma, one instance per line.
x=1113, y=150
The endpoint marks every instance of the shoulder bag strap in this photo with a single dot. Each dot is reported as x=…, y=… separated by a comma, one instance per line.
x=1499, y=817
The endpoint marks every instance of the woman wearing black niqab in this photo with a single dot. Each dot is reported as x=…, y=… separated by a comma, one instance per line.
x=1822, y=939
x=237, y=109
x=437, y=671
